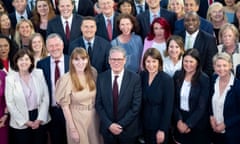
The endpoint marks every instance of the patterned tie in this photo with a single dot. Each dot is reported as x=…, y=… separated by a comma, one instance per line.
x=67, y=31
x=109, y=29
x=115, y=97
x=57, y=71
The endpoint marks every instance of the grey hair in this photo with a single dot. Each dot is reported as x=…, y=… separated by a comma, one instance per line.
x=117, y=49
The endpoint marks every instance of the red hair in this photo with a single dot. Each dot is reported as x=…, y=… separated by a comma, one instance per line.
x=165, y=25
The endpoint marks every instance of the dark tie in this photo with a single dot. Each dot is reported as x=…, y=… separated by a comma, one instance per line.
x=67, y=30
x=140, y=8
x=115, y=97
x=89, y=50
x=22, y=17
x=210, y=2
x=109, y=29
x=56, y=3
x=57, y=71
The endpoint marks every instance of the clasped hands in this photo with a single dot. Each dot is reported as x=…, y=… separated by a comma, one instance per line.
x=183, y=127
x=33, y=124
x=217, y=127
x=115, y=128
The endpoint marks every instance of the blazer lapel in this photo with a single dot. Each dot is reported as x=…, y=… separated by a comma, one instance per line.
x=124, y=85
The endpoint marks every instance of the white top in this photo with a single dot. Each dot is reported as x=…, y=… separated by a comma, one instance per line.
x=161, y=47
x=184, y=95
x=169, y=67
x=119, y=79
x=61, y=68
x=218, y=100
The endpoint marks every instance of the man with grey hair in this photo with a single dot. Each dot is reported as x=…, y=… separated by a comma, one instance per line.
x=54, y=66
x=118, y=101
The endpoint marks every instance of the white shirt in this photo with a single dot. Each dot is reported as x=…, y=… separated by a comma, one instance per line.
x=161, y=47
x=169, y=67
x=69, y=22
x=52, y=70
x=76, y=4
x=119, y=79
x=86, y=43
x=184, y=95
x=218, y=100
x=18, y=15
x=192, y=38
x=107, y=18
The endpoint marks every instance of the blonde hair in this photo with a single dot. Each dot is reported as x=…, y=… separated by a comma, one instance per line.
x=230, y=27
x=212, y=7
x=88, y=70
x=223, y=56
x=17, y=36
x=181, y=2
x=44, y=49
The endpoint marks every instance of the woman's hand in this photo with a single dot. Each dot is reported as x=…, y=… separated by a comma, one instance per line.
x=74, y=135
x=36, y=124
x=220, y=127
x=160, y=136
x=3, y=120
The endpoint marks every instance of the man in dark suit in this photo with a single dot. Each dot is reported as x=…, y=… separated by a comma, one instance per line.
x=118, y=101
x=66, y=25
x=97, y=47
x=145, y=19
x=21, y=12
x=193, y=5
x=8, y=5
x=50, y=65
x=106, y=21
x=194, y=37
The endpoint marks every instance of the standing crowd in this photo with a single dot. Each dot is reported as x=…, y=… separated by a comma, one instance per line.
x=119, y=72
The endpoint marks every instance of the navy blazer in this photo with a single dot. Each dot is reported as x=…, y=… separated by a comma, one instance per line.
x=198, y=115
x=55, y=25
x=129, y=104
x=45, y=65
x=100, y=51
x=205, y=25
x=207, y=47
x=102, y=29
x=158, y=99
x=231, y=112
x=13, y=18
x=144, y=20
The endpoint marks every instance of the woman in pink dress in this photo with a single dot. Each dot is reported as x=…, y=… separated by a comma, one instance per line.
x=3, y=111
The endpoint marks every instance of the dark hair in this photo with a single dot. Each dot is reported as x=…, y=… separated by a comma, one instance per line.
x=131, y=18
x=133, y=12
x=88, y=18
x=11, y=30
x=3, y=5
x=165, y=25
x=194, y=54
x=20, y=53
x=155, y=54
x=196, y=1
x=179, y=42
x=12, y=50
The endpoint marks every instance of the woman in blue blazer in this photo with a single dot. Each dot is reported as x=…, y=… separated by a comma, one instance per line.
x=191, y=122
x=225, y=106
x=158, y=94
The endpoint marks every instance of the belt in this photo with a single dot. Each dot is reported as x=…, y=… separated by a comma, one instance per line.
x=83, y=107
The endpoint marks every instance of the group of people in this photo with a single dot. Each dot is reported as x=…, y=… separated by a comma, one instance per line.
x=119, y=72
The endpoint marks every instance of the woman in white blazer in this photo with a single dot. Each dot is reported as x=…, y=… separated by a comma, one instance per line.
x=27, y=100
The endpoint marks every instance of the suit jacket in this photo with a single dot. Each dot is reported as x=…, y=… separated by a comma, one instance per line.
x=100, y=52
x=129, y=104
x=205, y=25
x=144, y=20
x=158, y=99
x=102, y=29
x=56, y=26
x=16, y=100
x=13, y=18
x=231, y=111
x=207, y=47
x=45, y=65
x=198, y=115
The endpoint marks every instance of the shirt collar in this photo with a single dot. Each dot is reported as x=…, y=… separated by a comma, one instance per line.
x=60, y=60
x=193, y=34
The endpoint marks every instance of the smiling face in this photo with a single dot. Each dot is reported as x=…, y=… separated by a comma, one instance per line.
x=106, y=6
x=25, y=30
x=37, y=44
x=126, y=8
x=24, y=63
x=79, y=63
x=55, y=47
x=42, y=8
x=158, y=30
x=190, y=64
x=88, y=29
x=153, y=4
x=190, y=6
x=65, y=8
x=151, y=64
x=125, y=26
x=176, y=6
x=191, y=23
x=222, y=67
x=217, y=14
x=19, y=5
x=4, y=48
x=117, y=61
x=174, y=50
x=5, y=22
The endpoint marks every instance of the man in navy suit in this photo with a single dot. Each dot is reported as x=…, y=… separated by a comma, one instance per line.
x=66, y=25
x=97, y=47
x=193, y=5
x=194, y=37
x=145, y=19
x=55, y=45
x=107, y=18
x=118, y=101
x=21, y=12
